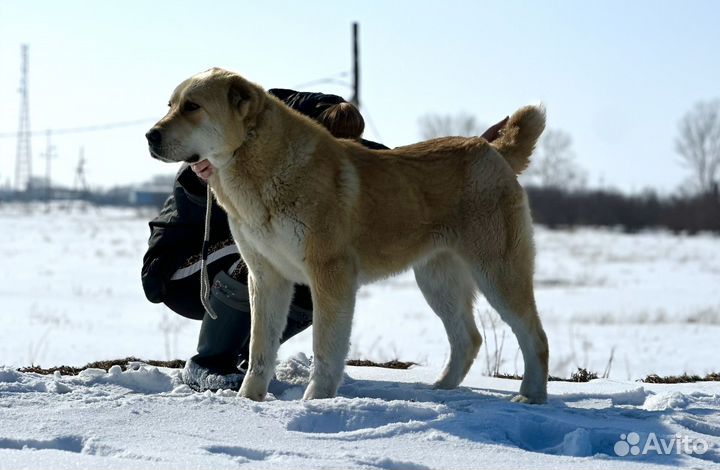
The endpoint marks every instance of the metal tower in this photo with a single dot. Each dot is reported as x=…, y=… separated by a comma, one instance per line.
x=23, y=156
x=48, y=155
x=80, y=183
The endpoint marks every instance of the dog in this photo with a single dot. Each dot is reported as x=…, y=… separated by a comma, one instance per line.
x=305, y=207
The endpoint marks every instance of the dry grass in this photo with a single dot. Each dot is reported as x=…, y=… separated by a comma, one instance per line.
x=179, y=364
x=394, y=364
x=581, y=375
x=681, y=379
x=69, y=370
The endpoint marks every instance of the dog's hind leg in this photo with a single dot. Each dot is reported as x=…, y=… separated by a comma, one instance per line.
x=507, y=282
x=333, y=294
x=450, y=291
x=511, y=294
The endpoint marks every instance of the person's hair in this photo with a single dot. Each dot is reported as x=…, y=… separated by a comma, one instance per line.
x=343, y=120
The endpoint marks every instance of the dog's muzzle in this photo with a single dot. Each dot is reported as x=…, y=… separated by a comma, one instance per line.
x=154, y=138
x=155, y=141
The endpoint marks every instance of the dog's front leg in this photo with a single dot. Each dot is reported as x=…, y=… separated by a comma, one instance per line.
x=270, y=296
x=333, y=293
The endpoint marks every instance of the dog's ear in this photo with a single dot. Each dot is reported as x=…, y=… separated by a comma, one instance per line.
x=246, y=98
x=239, y=94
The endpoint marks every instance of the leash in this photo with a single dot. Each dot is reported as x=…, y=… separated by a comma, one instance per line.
x=204, y=278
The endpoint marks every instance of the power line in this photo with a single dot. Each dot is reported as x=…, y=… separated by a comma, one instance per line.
x=84, y=129
x=369, y=120
x=334, y=79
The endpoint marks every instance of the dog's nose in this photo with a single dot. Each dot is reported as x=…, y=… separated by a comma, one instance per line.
x=154, y=136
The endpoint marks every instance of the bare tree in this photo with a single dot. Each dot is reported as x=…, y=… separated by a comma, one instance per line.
x=699, y=144
x=554, y=163
x=436, y=125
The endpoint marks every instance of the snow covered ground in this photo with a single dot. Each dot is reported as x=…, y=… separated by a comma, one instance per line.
x=382, y=419
x=629, y=304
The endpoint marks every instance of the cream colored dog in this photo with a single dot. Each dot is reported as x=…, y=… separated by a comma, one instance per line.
x=305, y=207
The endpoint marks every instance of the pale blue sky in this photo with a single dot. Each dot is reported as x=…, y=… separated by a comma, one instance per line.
x=617, y=76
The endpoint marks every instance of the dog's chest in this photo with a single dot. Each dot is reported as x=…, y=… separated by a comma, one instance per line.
x=282, y=242
x=269, y=227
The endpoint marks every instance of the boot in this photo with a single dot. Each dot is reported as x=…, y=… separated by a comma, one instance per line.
x=222, y=340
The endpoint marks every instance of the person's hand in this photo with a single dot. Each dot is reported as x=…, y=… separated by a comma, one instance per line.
x=203, y=169
x=493, y=131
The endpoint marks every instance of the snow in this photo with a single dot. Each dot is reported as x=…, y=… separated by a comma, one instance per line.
x=632, y=304
x=143, y=418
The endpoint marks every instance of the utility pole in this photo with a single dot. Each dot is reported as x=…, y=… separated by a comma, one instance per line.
x=23, y=155
x=356, y=66
x=48, y=155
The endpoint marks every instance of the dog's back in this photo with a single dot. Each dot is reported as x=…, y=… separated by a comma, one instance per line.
x=423, y=197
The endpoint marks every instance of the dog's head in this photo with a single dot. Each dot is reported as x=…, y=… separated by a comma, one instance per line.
x=211, y=115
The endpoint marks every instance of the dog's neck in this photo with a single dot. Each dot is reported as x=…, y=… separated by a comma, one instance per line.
x=277, y=149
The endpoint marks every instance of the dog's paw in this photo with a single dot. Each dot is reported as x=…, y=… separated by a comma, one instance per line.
x=317, y=392
x=445, y=384
x=528, y=400
x=253, y=388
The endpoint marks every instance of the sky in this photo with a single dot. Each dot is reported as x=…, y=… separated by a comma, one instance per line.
x=617, y=76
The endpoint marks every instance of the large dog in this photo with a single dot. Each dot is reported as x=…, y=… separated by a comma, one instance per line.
x=305, y=207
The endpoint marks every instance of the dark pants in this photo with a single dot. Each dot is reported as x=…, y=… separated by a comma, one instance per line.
x=183, y=295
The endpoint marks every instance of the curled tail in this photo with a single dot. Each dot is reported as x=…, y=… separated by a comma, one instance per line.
x=517, y=140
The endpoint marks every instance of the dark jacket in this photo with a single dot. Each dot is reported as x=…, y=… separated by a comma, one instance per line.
x=170, y=272
x=176, y=238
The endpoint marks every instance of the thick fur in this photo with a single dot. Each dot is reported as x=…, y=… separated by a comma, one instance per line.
x=307, y=208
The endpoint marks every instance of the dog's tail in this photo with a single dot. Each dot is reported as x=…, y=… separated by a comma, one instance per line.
x=517, y=140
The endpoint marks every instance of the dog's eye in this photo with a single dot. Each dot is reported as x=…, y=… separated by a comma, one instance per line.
x=190, y=106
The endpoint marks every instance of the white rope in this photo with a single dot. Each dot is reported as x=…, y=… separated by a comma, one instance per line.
x=204, y=278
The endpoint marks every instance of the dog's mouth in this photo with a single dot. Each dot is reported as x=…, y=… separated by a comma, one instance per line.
x=194, y=158
x=157, y=156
